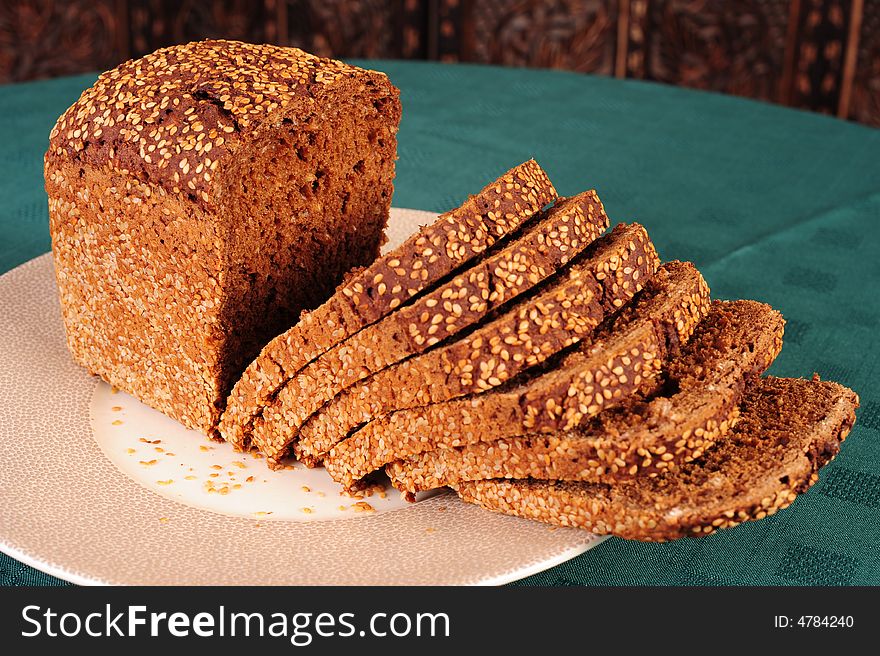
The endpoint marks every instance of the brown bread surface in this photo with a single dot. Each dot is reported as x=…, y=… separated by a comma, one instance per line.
x=561, y=233
x=646, y=434
x=556, y=316
x=625, y=358
x=435, y=251
x=200, y=198
x=788, y=429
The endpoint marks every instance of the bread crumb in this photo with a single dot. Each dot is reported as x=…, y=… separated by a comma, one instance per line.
x=216, y=467
x=158, y=449
x=168, y=482
x=202, y=447
x=363, y=506
x=364, y=492
x=239, y=464
x=249, y=479
x=343, y=507
x=131, y=450
x=148, y=463
x=307, y=511
x=263, y=513
x=116, y=408
x=163, y=520
x=190, y=478
x=113, y=390
x=116, y=422
x=306, y=488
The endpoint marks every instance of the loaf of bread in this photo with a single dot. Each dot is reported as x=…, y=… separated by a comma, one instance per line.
x=200, y=198
x=788, y=429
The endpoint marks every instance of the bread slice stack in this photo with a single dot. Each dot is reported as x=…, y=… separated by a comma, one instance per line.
x=514, y=353
x=788, y=428
x=434, y=253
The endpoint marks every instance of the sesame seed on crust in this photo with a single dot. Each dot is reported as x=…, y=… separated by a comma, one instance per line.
x=556, y=317
x=561, y=233
x=455, y=238
x=650, y=433
x=169, y=116
x=788, y=430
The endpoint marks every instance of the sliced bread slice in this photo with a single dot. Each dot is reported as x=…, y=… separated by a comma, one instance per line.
x=644, y=436
x=368, y=294
x=558, y=315
x=563, y=232
x=788, y=429
x=625, y=359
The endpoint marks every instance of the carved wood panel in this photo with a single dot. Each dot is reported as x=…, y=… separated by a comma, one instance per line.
x=732, y=47
x=822, y=29
x=864, y=102
x=633, y=38
x=816, y=54
x=159, y=23
x=327, y=27
x=47, y=38
x=578, y=35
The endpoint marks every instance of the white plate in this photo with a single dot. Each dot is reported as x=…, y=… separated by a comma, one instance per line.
x=85, y=492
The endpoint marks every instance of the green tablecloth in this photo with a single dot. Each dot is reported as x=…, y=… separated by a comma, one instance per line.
x=771, y=203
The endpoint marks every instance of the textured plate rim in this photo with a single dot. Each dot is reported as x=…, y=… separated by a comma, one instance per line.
x=500, y=579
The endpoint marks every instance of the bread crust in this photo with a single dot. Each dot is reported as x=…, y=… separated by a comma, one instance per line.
x=176, y=115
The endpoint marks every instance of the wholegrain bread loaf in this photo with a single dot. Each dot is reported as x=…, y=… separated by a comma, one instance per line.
x=434, y=252
x=624, y=359
x=788, y=429
x=556, y=316
x=200, y=198
x=562, y=232
x=693, y=406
